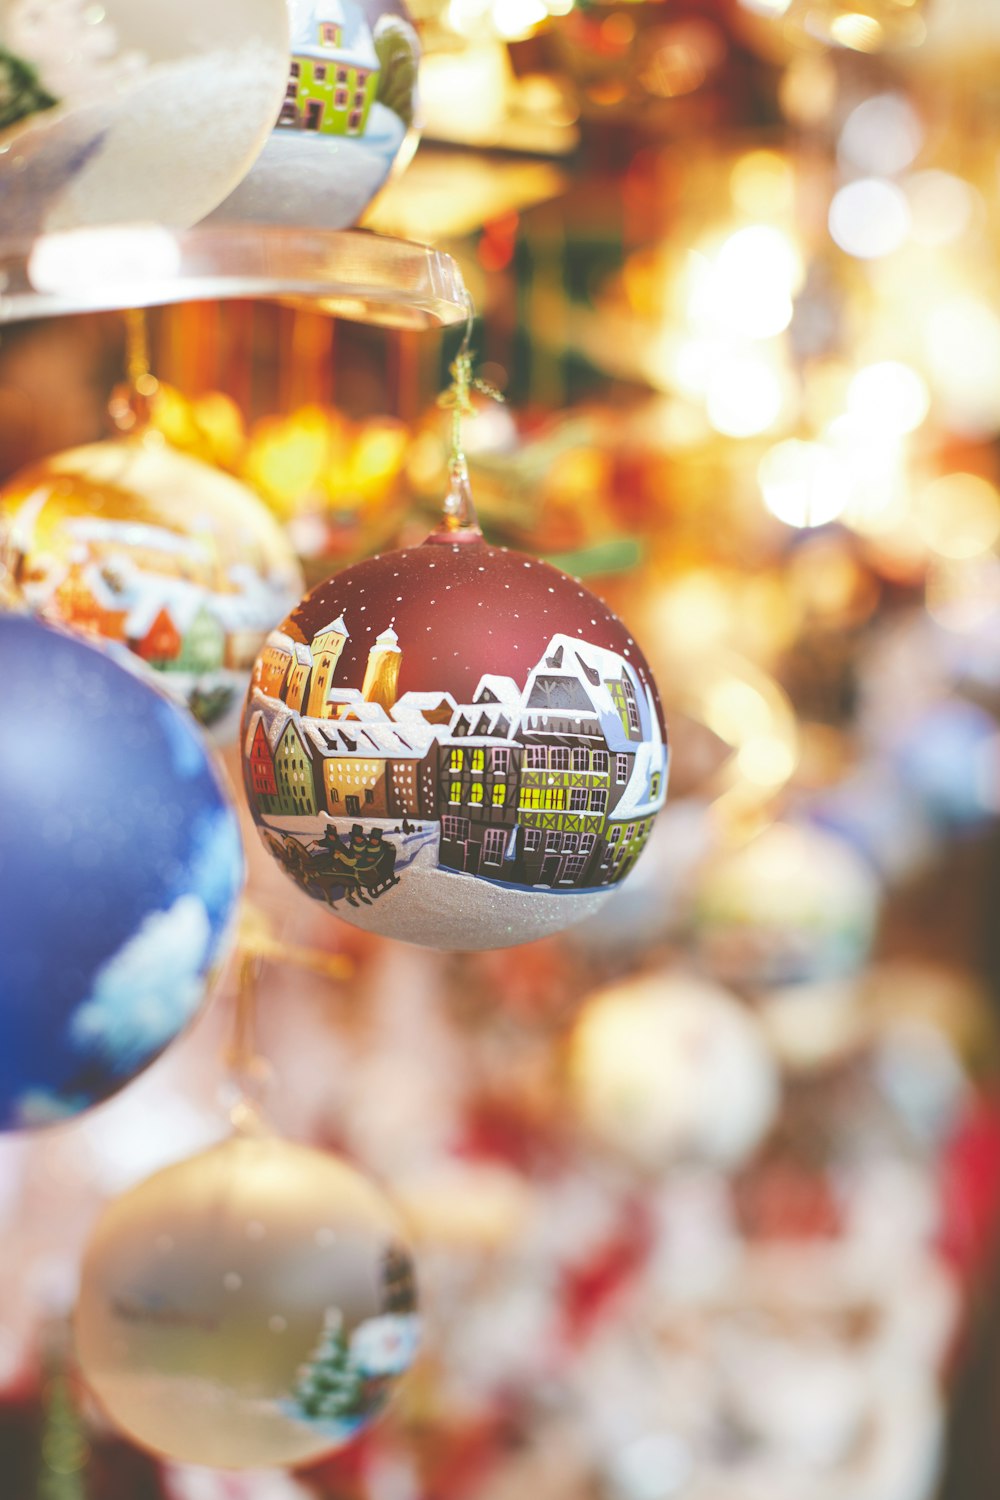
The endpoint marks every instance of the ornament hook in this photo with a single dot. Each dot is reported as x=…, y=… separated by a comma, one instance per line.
x=249, y=1073
x=459, y=508
x=132, y=402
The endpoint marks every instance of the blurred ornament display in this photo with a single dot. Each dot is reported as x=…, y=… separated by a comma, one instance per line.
x=349, y=108
x=668, y=1068
x=454, y=745
x=793, y=904
x=253, y=1306
x=118, y=886
x=170, y=560
x=113, y=111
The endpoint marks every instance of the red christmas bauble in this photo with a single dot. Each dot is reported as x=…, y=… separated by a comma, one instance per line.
x=454, y=745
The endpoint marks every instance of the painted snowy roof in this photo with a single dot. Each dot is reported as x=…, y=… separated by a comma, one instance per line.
x=591, y=668
x=281, y=642
x=475, y=713
x=388, y=640
x=503, y=689
x=337, y=626
x=397, y=743
x=417, y=703
x=357, y=46
x=370, y=740
x=303, y=655
x=280, y=726
x=364, y=711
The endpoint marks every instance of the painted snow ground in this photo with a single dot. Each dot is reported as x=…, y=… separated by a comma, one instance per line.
x=442, y=908
x=323, y=181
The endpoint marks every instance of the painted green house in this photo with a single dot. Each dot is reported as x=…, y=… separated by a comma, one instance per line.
x=203, y=648
x=334, y=69
x=293, y=773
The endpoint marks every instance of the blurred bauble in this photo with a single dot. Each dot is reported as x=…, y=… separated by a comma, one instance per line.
x=251, y=1307
x=174, y=562
x=145, y=111
x=120, y=865
x=866, y=26
x=669, y=1067
x=947, y=759
x=792, y=905
x=454, y=745
x=349, y=106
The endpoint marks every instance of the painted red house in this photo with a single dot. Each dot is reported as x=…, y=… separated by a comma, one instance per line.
x=161, y=642
x=262, y=764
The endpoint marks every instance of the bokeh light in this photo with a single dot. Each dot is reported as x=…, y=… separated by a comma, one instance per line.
x=802, y=483
x=888, y=397
x=959, y=515
x=869, y=218
x=881, y=136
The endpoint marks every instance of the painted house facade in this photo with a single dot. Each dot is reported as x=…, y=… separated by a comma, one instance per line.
x=333, y=74
x=480, y=762
x=261, y=763
x=293, y=772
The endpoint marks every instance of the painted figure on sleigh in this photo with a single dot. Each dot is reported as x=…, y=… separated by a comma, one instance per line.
x=360, y=867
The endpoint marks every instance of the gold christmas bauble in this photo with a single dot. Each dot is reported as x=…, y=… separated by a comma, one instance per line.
x=251, y=1307
x=165, y=558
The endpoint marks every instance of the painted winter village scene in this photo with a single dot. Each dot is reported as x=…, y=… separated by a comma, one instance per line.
x=544, y=789
x=177, y=566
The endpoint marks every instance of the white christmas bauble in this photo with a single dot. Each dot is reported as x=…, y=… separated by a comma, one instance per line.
x=669, y=1067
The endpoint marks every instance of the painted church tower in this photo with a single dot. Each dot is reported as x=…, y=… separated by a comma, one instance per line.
x=382, y=674
x=327, y=645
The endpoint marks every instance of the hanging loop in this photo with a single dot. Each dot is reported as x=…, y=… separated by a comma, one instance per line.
x=459, y=508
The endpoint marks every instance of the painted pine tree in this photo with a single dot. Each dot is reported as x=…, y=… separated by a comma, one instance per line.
x=329, y=1386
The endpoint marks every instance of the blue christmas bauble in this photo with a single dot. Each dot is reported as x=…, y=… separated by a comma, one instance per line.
x=120, y=865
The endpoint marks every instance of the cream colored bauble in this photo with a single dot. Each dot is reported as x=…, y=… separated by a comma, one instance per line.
x=140, y=111
x=668, y=1067
x=252, y=1307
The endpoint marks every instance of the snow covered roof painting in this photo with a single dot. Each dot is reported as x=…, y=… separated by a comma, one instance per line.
x=355, y=46
x=572, y=677
x=279, y=641
x=335, y=627
x=373, y=739
x=494, y=689
x=419, y=703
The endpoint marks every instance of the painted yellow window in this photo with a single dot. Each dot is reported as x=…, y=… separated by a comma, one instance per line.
x=457, y=762
x=499, y=794
x=455, y=795
x=476, y=794
x=478, y=759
